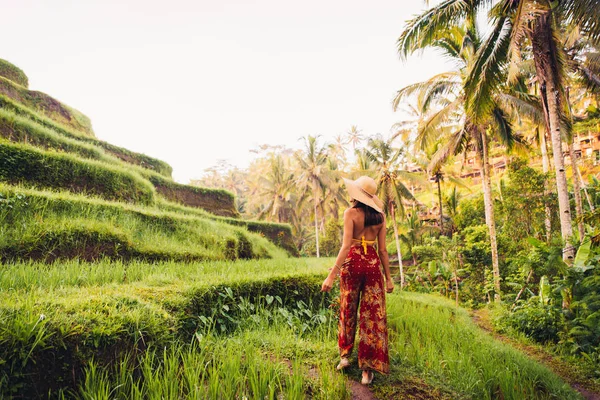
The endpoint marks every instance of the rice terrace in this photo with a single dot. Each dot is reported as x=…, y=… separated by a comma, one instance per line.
x=117, y=281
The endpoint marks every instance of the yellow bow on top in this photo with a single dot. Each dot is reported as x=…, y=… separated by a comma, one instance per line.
x=364, y=243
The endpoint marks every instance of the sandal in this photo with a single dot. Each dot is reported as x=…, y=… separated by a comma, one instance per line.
x=366, y=380
x=344, y=362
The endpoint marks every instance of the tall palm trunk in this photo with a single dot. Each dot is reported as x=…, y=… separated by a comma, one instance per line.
x=546, y=170
x=576, y=182
x=440, y=201
x=396, y=237
x=546, y=64
x=489, y=208
x=576, y=191
x=316, y=201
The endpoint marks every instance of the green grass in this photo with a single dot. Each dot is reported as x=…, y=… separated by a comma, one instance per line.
x=256, y=328
x=49, y=225
x=280, y=234
x=38, y=121
x=438, y=342
x=47, y=105
x=269, y=360
x=54, y=318
x=218, y=201
x=13, y=73
x=21, y=163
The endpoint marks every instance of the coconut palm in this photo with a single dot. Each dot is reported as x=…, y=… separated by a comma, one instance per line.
x=276, y=190
x=355, y=137
x=392, y=190
x=533, y=24
x=312, y=176
x=446, y=104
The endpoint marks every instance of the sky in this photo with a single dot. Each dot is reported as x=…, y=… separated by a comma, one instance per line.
x=198, y=82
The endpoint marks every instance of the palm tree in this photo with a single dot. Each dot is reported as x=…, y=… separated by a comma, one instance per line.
x=312, y=176
x=534, y=21
x=355, y=137
x=392, y=190
x=277, y=189
x=448, y=93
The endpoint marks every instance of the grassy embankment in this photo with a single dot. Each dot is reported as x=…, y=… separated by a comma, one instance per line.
x=48, y=225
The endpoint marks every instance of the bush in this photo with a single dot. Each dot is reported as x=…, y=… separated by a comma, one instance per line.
x=426, y=253
x=48, y=169
x=540, y=322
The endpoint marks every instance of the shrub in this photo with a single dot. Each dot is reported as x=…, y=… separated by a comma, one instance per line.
x=540, y=322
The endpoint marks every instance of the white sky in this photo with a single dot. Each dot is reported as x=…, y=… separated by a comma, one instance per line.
x=195, y=82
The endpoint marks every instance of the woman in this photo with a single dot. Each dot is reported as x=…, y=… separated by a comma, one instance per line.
x=359, y=267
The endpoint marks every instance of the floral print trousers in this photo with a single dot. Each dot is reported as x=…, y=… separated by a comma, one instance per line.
x=361, y=282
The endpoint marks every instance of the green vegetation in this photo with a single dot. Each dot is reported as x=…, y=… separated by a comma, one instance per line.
x=218, y=201
x=47, y=225
x=117, y=282
x=438, y=342
x=13, y=110
x=13, y=73
x=137, y=330
x=48, y=106
x=57, y=318
x=24, y=164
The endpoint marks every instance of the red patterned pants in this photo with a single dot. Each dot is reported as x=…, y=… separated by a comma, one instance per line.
x=361, y=282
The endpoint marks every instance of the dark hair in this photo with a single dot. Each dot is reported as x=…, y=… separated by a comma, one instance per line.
x=372, y=216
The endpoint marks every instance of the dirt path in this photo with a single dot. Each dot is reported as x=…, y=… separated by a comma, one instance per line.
x=360, y=391
x=588, y=390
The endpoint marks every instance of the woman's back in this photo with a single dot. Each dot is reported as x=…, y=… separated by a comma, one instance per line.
x=359, y=229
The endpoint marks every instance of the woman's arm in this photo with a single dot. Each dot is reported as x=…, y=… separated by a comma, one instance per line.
x=343, y=253
x=384, y=257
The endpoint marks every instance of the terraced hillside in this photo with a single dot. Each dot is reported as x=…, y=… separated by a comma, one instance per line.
x=66, y=194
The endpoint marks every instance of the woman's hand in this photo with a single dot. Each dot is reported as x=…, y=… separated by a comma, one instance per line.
x=327, y=284
x=389, y=286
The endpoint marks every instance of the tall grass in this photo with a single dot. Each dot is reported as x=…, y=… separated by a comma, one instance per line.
x=65, y=321
x=266, y=361
x=439, y=341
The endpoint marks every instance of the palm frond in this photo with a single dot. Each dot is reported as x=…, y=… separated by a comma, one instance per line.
x=430, y=127
x=487, y=73
x=504, y=128
x=457, y=142
x=422, y=30
x=443, y=81
x=585, y=13
x=527, y=11
x=528, y=107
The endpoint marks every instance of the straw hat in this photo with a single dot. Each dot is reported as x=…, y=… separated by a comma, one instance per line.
x=363, y=189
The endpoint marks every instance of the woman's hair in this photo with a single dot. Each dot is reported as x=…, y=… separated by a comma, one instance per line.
x=372, y=216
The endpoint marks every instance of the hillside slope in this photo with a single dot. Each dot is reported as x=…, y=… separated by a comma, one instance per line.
x=58, y=181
